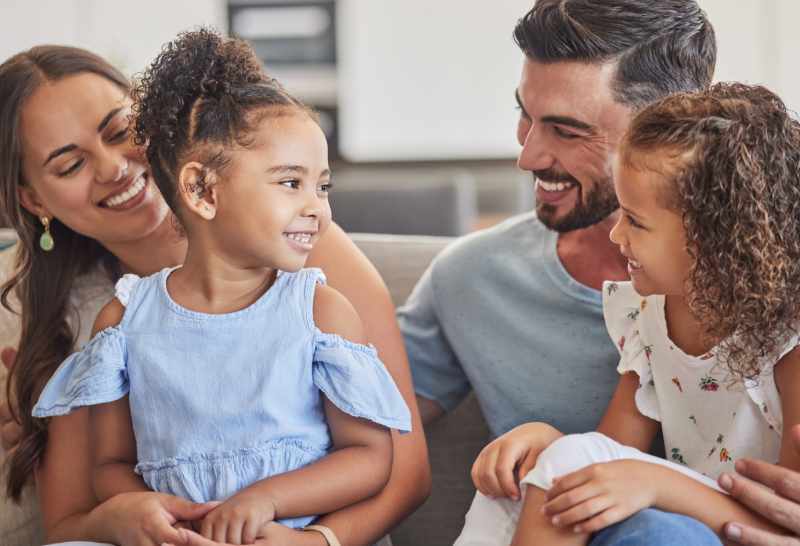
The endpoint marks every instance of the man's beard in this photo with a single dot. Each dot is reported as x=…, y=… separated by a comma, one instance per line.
x=596, y=207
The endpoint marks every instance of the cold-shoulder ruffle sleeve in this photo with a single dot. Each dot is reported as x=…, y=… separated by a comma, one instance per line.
x=354, y=379
x=763, y=390
x=124, y=287
x=622, y=310
x=94, y=375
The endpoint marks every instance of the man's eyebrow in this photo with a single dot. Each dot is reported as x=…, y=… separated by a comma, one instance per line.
x=107, y=119
x=55, y=153
x=569, y=122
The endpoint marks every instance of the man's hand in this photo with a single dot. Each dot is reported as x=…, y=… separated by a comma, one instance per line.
x=778, y=502
x=504, y=462
x=600, y=495
x=10, y=431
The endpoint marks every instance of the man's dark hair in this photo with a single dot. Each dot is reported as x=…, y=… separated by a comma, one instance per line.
x=660, y=46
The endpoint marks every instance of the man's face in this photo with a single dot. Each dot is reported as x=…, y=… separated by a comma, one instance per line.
x=569, y=128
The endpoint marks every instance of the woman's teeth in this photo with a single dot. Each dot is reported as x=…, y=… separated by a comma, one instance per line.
x=303, y=238
x=135, y=189
x=555, y=186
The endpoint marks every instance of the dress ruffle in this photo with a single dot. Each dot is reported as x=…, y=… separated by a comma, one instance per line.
x=622, y=310
x=97, y=374
x=354, y=379
x=124, y=287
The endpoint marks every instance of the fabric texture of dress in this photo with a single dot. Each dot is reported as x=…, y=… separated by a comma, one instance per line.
x=220, y=401
x=708, y=420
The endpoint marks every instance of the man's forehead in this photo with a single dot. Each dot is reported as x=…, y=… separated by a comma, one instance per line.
x=567, y=88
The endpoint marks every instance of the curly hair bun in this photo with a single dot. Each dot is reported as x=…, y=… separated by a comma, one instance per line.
x=198, y=64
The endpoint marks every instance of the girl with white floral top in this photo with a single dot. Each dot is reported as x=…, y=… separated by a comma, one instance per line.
x=707, y=330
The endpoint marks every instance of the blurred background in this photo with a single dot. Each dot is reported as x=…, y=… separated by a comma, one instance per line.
x=416, y=96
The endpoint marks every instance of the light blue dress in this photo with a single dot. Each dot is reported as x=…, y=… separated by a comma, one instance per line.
x=221, y=401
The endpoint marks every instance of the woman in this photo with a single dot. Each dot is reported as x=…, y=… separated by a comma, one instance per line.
x=79, y=195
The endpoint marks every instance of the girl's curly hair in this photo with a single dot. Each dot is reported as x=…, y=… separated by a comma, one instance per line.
x=737, y=187
x=201, y=96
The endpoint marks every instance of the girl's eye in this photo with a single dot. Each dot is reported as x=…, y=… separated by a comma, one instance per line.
x=564, y=134
x=326, y=187
x=633, y=222
x=72, y=168
x=294, y=184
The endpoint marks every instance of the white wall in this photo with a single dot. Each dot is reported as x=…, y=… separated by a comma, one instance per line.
x=129, y=34
x=424, y=79
x=427, y=79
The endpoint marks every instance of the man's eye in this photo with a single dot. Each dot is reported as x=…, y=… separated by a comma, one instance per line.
x=564, y=134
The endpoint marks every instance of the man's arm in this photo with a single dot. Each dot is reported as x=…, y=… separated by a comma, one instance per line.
x=429, y=410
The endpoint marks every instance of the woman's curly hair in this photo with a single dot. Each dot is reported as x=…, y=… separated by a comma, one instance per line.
x=198, y=99
x=737, y=187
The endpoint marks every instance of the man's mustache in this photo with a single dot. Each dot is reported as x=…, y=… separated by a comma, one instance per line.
x=550, y=175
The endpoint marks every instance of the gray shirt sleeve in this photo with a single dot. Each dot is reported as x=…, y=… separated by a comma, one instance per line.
x=435, y=367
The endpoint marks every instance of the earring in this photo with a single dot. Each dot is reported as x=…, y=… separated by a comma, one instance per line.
x=46, y=241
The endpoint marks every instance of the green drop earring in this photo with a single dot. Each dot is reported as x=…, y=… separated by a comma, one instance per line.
x=46, y=241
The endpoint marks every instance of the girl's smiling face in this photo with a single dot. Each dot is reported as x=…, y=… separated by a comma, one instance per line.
x=650, y=235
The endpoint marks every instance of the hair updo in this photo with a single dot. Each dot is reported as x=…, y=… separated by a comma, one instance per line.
x=198, y=99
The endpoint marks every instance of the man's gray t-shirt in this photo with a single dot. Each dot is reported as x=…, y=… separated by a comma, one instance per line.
x=497, y=312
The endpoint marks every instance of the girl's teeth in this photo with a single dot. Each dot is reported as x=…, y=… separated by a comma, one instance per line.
x=300, y=237
x=555, y=186
x=128, y=194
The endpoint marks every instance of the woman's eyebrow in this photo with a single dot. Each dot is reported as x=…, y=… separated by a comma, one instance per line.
x=107, y=119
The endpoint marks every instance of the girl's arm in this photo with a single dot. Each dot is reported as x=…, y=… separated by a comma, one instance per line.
x=113, y=442
x=623, y=421
x=70, y=510
x=787, y=379
x=351, y=273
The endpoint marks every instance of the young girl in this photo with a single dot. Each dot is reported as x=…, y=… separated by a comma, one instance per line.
x=242, y=375
x=707, y=329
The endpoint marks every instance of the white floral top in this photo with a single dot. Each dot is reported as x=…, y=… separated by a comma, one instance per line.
x=707, y=422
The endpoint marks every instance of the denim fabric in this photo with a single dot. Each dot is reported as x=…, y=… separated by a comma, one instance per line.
x=221, y=401
x=656, y=528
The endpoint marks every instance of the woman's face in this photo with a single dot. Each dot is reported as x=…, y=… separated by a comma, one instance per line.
x=80, y=165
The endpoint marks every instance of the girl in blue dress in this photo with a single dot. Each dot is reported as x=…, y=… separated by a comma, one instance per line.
x=238, y=377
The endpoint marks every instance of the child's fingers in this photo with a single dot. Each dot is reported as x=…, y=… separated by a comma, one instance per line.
x=613, y=515
x=527, y=464
x=569, y=481
x=583, y=511
x=233, y=535
x=506, y=462
x=219, y=531
x=486, y=481
x=570, y=498
x=250, y=531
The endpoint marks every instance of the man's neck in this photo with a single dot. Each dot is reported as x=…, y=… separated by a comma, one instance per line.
x=590, y=257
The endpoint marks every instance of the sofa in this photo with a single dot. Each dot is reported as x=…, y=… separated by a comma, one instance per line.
x=453, y=441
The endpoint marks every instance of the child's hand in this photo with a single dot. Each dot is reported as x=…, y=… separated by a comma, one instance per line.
x=600, y=495
x=240, y=519
x=493, y=471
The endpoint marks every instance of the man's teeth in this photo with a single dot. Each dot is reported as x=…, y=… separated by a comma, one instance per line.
x=128, y=194
x=555, y=186
x=303, y=238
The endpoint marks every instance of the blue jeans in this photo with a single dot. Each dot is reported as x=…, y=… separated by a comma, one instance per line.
x=656, y=528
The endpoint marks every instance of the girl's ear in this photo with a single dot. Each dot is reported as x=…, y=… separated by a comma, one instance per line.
x=29, y=199
x=196, y=190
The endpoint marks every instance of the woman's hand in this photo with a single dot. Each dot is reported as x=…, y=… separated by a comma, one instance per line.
x=601, y=494
x=149, y=519
x=504, y=462
x=273, y=534
x=779, y=501
x=10, y=430
x=240, y=519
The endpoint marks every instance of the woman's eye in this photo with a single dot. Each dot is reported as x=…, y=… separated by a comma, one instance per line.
x=72, y=168
x=294, y=184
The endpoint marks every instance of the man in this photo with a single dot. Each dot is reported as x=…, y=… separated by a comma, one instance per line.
x=515, y=312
